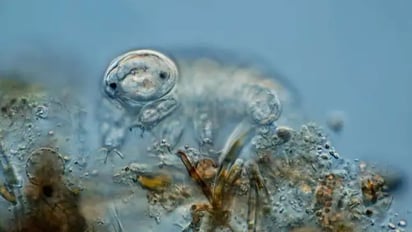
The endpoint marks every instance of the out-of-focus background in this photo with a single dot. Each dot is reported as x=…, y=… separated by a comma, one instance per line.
x=349, y=56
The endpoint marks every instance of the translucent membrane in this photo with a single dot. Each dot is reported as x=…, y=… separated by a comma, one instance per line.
x=139, y=76
x=47, y=158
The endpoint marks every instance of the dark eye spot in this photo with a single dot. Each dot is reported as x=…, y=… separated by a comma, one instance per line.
x=369, y=212
x=163, y=75
x=47, y=190
x=113, y=85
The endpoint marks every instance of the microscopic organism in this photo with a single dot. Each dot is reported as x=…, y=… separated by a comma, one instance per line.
x=220, y=147
x=143, y=88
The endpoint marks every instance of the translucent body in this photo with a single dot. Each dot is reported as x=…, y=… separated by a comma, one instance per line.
x=139, y=76
x=207, y=92
x=154, y=112
x=263, y=105
x=282, y=179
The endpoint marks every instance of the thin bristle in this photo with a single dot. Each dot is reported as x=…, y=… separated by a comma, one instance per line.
x=254, y=202
x=230, y=189
x=252, y=212
x=234, y=145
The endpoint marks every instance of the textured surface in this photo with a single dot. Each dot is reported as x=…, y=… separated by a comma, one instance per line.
x=246, y=162
x=349, y=56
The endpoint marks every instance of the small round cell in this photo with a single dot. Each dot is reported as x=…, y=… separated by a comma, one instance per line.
x=137, y=77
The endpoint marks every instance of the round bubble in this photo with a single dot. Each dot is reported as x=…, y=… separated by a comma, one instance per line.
x=140, y=76
x=44, y=162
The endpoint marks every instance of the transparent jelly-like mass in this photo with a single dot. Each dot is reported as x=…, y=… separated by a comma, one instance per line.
x=213, y=146
x=139, y=76
x=263, y=105
x=204, y=93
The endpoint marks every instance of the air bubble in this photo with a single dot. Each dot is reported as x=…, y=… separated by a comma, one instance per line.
x=140, y=76
x=402, y=223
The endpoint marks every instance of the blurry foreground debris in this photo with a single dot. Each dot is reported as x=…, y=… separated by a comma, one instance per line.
x=336, y=121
